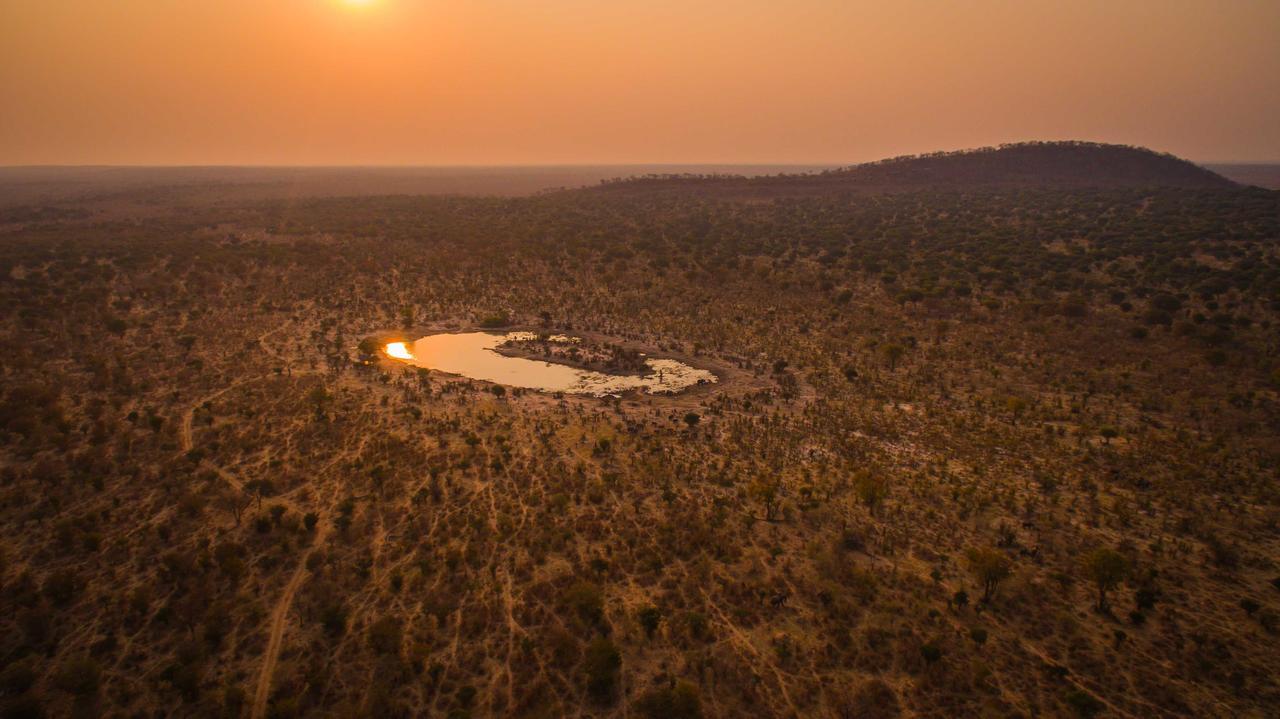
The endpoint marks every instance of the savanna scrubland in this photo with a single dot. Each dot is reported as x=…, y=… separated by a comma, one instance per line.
x=1004, y=450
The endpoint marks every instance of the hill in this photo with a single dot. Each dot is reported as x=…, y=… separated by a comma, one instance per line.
x=1062, y=165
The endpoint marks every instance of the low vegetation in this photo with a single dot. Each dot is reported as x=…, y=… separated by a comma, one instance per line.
x=1001, y=452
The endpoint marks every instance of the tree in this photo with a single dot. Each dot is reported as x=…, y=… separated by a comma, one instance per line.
x=319, y=398
x=230, y=559
x=602, y=662
x=765, y=491
x=497, y=319
x=18, y=677
x=989, y=567
x=233, y=700
x=678, y=701
x=871, y=488
x=333, y=617
x=1166, y=302
x=79, y=676
x=369, y=346
x=1106, y=569
x=587, y=600
x=236, y=503
x=893, y=354
x=930, y=652
x=24, y=706
x=260, y=488
x=60, y=587
x=978, y=635
x=379, y=477
x=385, y=635
x=650, y=617
x=1016, y=406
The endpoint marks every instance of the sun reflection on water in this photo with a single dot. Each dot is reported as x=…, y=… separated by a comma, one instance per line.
x=399, y=350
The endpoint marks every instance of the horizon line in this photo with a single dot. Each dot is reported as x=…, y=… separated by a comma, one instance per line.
x=479, y=166
x=411, y=166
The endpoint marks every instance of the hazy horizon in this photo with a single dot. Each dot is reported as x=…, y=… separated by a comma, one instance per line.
x=503, y=83
x=792, y=166
x=500, y=165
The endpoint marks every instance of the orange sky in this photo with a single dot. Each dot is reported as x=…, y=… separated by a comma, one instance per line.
x=443, y=82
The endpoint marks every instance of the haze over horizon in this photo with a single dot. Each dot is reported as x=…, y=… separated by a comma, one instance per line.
x=409, y=83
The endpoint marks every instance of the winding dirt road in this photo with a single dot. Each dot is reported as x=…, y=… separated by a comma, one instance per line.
x=276, y=638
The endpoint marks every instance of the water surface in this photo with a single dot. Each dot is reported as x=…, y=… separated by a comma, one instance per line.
x=473, y=355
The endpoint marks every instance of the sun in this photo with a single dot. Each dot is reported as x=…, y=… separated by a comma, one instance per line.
x=358, y=3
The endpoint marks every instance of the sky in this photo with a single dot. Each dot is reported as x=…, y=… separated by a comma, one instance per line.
x=500, y=82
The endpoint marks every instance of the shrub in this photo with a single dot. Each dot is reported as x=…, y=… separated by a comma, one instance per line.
x=1106, y=568
x=872, y=489
x=1166, y=302
x=60, y=587
x=333, y=618
x=873, y=699
x=25, y=706
x=931, y=652
x=233, y=699
x=989, y=567
x=1083, y=703
x=79, y=676
x=675, y=702
x=385, y=635
x=587, y=600
x=1157, y=317
x=602, y=663
x=17, y=677
x=978, y=635
x=650, y=617
x=497, y=319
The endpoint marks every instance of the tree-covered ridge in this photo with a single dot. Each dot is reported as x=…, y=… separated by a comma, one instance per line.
x=1069, y=164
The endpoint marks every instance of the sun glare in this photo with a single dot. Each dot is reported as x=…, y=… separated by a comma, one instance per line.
x=399, y=350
